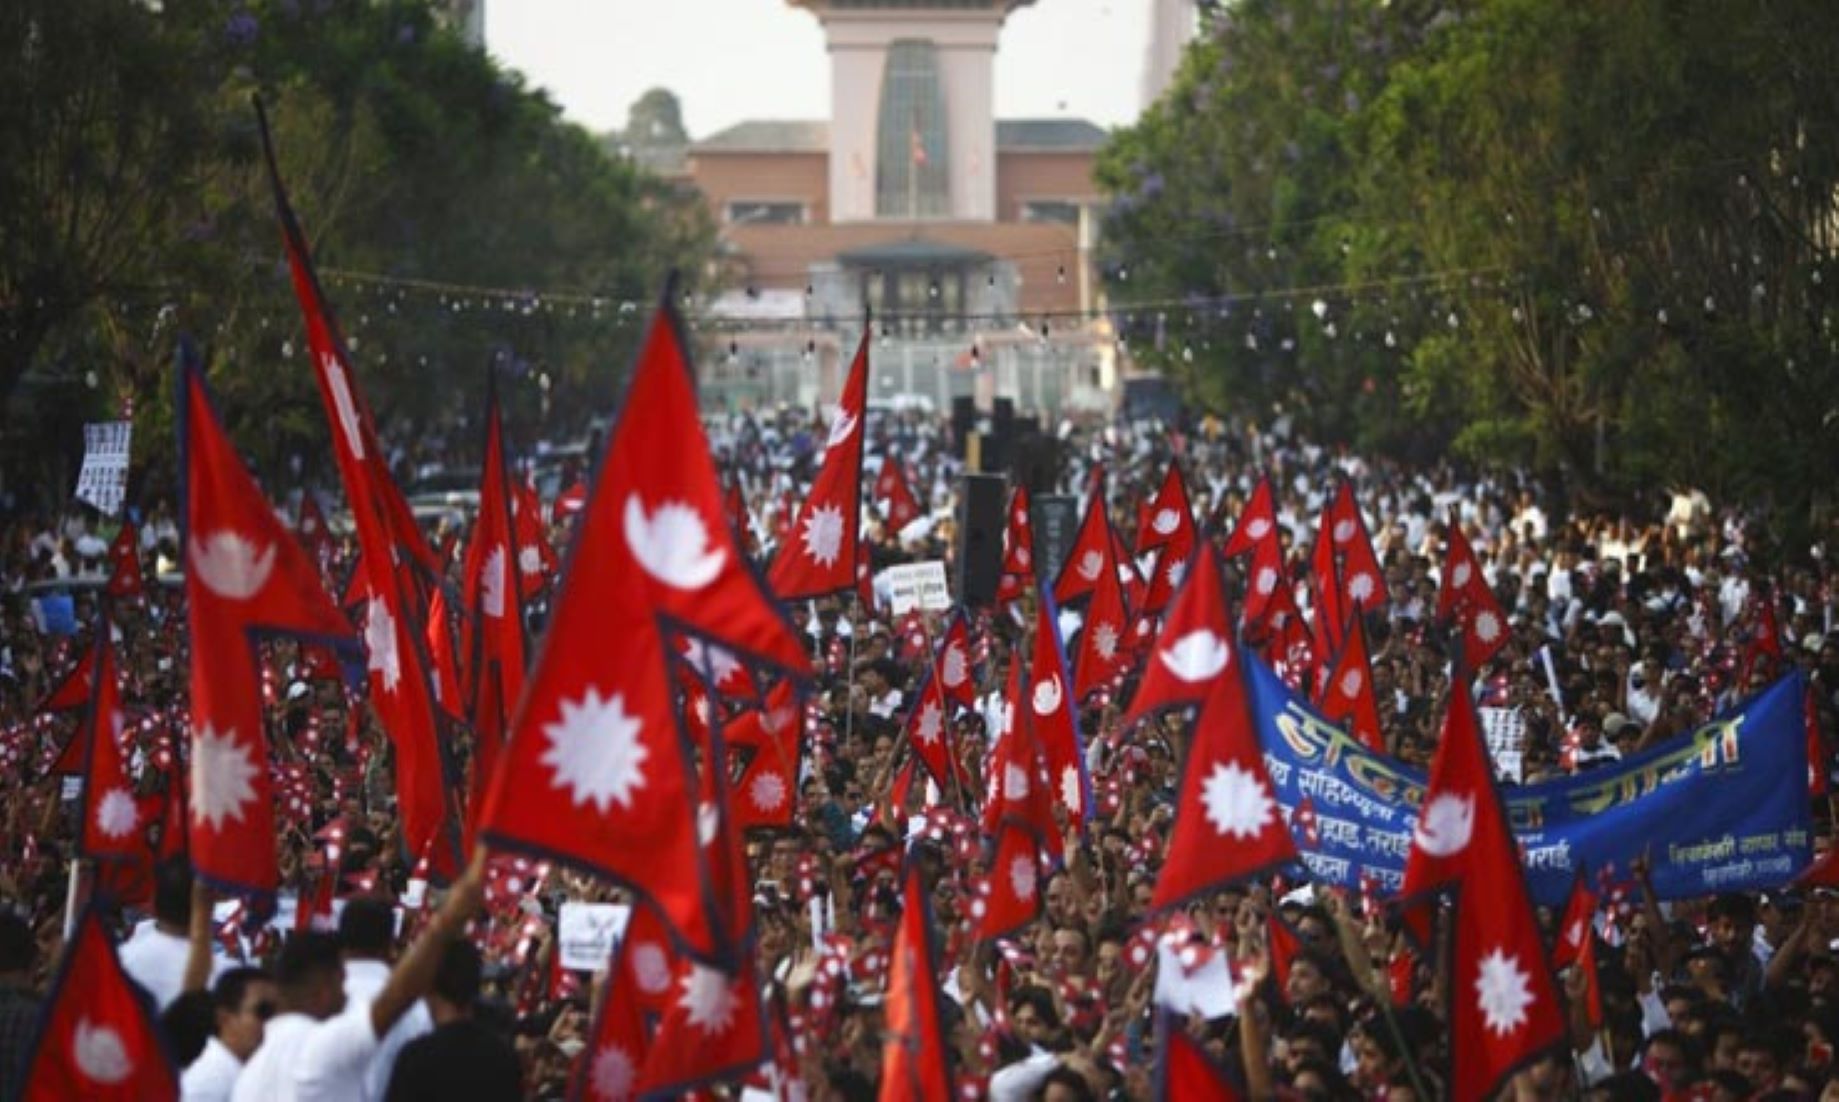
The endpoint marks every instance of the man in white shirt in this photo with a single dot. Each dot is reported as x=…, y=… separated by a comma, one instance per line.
x=315, y=1053
x=366, y=933
x=154, y=955
x=243, y=1001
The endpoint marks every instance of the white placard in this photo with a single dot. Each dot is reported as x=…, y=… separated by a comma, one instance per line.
x=1505, y=731
x=585, y=932
x=916, y=585
x=103, y=481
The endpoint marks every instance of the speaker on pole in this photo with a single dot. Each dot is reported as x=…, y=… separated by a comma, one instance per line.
x=982, y=512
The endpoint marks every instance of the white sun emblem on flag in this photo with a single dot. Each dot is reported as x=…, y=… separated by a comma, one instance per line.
x=1015, y=783
x=491, y=583
x=1070, y=795
x=929, y=725
x=1504, y=992
x=824, y=534
x=708, y=999
x=650, y=967
x=221, y=777
x=344, y=404
x=954, y=667
x=1104, y=641
x=380, y=638
x=529, y=560
x=1351, y=682
x=1236, y=802
x=1459, y=576
x=1360, y=586
x=1258, y=528
x=1022, y=874
x=116, y=813
x=672, y=544
x=1344, y=531
x=1267, y=580
x=1022, y=556
x=1487, y=627
x=613, y=1075
x=100, y=1054
x=594, y=749
x=1176, y=572
x=767, y=792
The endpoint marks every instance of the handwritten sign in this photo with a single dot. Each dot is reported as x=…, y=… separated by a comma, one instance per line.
x=916, y=585
x=586, y=933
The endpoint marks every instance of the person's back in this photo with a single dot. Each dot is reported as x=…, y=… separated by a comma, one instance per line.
x=19, y=1005
x=154, y=955
x=461, y=1058
x=311, y=979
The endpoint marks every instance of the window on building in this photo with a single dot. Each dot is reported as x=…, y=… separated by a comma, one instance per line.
x=1063, y=211
x=750, y=212
x=912, y=161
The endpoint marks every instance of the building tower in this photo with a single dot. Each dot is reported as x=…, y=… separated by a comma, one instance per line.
x=1172, y=24
x=912, y=111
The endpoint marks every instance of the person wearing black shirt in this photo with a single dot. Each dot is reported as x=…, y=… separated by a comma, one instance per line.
x=461, y=1058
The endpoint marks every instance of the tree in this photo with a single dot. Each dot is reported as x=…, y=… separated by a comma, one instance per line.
x=1593, y=241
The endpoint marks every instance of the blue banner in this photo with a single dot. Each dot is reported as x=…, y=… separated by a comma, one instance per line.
x=1724, y=808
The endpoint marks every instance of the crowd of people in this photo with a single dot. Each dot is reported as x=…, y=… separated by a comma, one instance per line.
x=1625, y=631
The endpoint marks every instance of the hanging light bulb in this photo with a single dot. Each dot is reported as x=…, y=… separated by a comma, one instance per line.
x=1061, y=274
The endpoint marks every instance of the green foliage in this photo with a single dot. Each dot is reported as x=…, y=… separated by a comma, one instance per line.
x=1595, y=239
x=405, y=152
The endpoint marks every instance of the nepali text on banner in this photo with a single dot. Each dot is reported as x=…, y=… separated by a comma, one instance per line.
x=1721, y=809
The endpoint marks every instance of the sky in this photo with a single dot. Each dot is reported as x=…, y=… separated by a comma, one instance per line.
x=729, y=60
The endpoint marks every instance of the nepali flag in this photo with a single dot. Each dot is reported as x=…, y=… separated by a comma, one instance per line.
x=953, y=661
x=1019, y=813
x=72, y=691
x=110, y=813
x=928, y=731
x=714, y=1029
x=1055, y=719
x=125, y=581
x=1463, y=594
x=1172, y=533
x=98, y=1038
x=638, y=986
x=1267, y=591
x=1093, y=554
x=536, y=560
x=1578, y=925
x=599, y=771
x=895, y=495
x=914, y=1062
x=767, y=741
x=1227, y=828
x=1347, y=696
x=245, y=577
x=820, y=558
x=494, y=625
x=1103, y=640
x=395, y=634
x=1257, y=524
x=310, y=525
x=1363, y=582
x=1018, y=550
x=1184, y=1071
x=1505, y=1006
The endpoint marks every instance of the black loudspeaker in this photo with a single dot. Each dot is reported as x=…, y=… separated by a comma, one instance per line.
x=1034, y=459
x=982, y=512
x=963, y=422
x=1056, y=526
x=999, y=445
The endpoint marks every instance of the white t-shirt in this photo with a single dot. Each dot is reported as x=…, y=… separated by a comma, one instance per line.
x=156, y=959
x=363, y=980
x=212, y=1076
x=268, y=1076
x=334, y=1057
